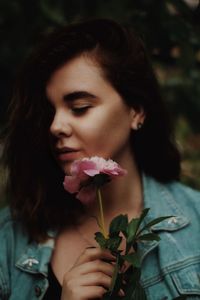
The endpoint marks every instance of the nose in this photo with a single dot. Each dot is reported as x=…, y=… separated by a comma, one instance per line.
x=60, y=125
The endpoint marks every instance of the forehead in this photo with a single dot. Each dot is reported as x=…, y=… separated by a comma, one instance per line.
x=81, y=65
x=82, y=73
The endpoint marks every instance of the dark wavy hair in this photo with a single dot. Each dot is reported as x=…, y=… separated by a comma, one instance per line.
x=35, y=181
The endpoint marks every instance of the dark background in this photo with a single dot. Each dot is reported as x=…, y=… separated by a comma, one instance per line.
x=170, y=28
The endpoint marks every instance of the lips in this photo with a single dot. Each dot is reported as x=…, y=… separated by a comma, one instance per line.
x=66, y=154
x=64, y=150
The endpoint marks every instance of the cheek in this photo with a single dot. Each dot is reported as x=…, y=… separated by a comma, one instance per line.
x=116, y=124
x=111, y=131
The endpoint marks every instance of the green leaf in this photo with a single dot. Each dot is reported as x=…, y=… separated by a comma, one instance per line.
x=106, y=296
x=157, y=220
x=113, y=243
x=131, y=286
x=132, y=229
x=100, y=239
x=114, y=277
x=134, y=290
x=118, y=224
x=132, y=276
x=117, y=286
x=143, y=215
x=149, y=237
x=153, y=222
x=135, y=293
x=133, y=258
x=116, y=283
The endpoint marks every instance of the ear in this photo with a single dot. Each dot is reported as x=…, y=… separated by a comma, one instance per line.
x=137, y=118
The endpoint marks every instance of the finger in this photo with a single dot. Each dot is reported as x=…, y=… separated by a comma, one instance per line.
x=121, y=293
x=83, y=292
x=89, y=267
x=90, y=254
x=93, y=279
x=95, y=266
x=92, y=292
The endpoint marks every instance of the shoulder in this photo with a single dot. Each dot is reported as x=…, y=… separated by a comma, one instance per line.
x=12, y=236
x=184, y=203
x=181, y=189
x=7, y=253
x=187, y=197
x=6, y=221
x=5, y=214
x=173, y=199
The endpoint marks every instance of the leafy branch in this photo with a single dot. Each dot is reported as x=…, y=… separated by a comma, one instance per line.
x=127, y=279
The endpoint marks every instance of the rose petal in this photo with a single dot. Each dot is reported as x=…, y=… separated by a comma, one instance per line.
x=117, y=171
x=84, y=170
x=91, y=172
x=79, y=167
x=87, y=194
x=72, y=184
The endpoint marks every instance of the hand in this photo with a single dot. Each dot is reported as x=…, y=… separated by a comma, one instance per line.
x=90, y=277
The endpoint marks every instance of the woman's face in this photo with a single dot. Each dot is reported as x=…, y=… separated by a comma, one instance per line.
x=90, y=116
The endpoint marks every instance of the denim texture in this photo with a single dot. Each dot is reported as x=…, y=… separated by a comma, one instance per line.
x=170, y=267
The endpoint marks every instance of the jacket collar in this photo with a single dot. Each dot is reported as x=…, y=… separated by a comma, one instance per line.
x=36, y=257
x=161, y=202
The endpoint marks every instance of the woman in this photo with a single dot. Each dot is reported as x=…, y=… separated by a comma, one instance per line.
x=89, y=90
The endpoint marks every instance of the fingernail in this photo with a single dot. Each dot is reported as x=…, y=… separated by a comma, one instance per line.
x=121, y=292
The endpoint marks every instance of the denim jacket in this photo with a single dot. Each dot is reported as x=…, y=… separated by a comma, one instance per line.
x=170, y=267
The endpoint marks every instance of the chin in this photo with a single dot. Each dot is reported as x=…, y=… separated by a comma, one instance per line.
x=66, y=167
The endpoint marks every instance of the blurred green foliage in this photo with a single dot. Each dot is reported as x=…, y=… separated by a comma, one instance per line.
x=170, y=28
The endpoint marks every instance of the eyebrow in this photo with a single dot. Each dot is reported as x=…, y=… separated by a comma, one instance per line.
x=78, y=95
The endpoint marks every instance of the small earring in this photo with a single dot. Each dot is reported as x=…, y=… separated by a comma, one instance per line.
x=139, y=126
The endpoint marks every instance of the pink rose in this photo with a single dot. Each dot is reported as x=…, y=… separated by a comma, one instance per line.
x=83, y=172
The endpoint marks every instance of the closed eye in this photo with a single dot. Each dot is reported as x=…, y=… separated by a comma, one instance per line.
x=80, y=110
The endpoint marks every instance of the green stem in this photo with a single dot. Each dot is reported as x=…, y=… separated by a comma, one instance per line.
x=101, y=217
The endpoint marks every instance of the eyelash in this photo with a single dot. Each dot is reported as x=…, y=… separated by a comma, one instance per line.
x=80, y=110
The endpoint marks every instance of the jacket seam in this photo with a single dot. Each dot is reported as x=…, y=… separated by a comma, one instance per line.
x=170, y=269
x=185, y=291
x=4, y=289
